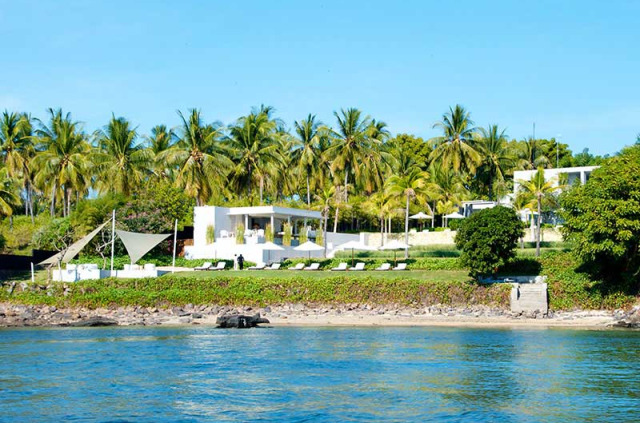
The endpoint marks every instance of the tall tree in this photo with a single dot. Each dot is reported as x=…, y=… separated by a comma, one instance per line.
x=199, y=157
x=352, y=143
x=121, y=161
x=252, y=142
x=9, y=198
x=456, y=148
x=538, y=188
x=413, y=185
x=63, y=165
x=497, y=158
x=307, y=153
x=531, y=154
x=16, y=152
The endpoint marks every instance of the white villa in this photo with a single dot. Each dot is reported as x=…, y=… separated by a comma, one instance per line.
x=225, y=221
x=581, y=174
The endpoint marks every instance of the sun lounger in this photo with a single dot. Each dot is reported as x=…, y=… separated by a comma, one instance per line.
x=313, y=266
x=274, y=266
x=298, y=266
x=358, y=267
x=205, y=266
x=401, y=266
x=220, y=266
x=383, y=266
x=341, y=267
x=258, y=266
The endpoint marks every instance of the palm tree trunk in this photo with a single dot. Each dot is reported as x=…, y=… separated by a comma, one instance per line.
x=433, y=215
x=324, y=237
x=381, y=230
x=538, y=226
x=261, y=187
x=308, y=191
x=53, y=200
x=335, y=221
x=346, y=191
x=406, y=228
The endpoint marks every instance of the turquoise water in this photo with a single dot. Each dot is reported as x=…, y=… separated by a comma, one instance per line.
x=196, y=374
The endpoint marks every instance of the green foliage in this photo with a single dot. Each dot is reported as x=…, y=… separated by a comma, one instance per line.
x=602, y=218
x=303, y=236
x=319, y=237
x=3, y=242
x=55, y=235
x=286, y=238
x=268, y=233
x=211, y=234
x=254, y=290
x=89, y=214
x=18, y=239
x=240, y=234
x=423, y=263
x=488, y=239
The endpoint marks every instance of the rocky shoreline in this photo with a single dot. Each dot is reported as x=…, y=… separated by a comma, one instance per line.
x=14, y=315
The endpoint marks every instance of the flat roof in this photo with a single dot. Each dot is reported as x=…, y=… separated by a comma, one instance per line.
x=268, y=211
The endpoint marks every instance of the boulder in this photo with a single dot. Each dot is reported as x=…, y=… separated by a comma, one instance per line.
x=92, y=322
x=240, y=321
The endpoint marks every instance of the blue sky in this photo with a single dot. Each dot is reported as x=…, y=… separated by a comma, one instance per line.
x=571, y=67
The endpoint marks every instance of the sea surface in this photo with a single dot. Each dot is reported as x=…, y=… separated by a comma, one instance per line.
x=193, y=374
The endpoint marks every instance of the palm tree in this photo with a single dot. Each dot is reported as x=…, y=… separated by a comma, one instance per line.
x=497, y=159
x=412, y=185
x=456, y=148
x=16, y=152
x=8, y=197
x=325, y=196
x=531, y=154
x=63, y=165
x=352, y=142
x=199, y=157
x=449, y=188
x=307, y=154
x=252, y=141
x=121, y=162
x=537, y=189
x=381, y=204
x=160, y=140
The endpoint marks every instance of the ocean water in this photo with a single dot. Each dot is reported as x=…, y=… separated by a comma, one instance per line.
x=194, y=374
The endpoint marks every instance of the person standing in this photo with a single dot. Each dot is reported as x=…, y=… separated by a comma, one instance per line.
x=240, y=261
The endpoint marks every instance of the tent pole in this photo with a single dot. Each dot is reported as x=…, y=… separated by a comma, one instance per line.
x=113, y=237
x=175, y=240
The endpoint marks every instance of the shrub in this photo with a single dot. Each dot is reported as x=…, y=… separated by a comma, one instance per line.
x=211, y=234
x=268, y=233
x=286, y=238
x=303, y=236
x=240, y=234
x=488, y=239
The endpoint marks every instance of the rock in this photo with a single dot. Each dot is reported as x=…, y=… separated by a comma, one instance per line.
x=92, y=322
x=184, y=319
x=197, y=315
x=240, y=321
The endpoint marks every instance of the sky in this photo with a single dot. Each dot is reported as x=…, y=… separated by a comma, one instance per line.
x=570, y=67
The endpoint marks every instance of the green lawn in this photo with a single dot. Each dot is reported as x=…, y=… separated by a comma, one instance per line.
x=424, y=275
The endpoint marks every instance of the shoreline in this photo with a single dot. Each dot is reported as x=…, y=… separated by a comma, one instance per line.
x=298, y=315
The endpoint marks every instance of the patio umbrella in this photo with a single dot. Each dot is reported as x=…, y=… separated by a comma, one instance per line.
x=420, y=216
x=309, y=246
x=354, y=245
x=270, y=246
x=454, y=215
x=395, y=245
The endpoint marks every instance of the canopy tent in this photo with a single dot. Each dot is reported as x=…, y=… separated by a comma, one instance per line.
x=395, y=245
x=309, y=246
x=354, y=245
x=74, y=249
x=420, y=215
x=139, y=244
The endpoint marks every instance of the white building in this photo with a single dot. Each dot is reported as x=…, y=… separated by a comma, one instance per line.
x=225, y=221
x=554, y=175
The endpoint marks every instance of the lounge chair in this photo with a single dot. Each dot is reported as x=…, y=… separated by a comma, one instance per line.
x=401, y=266
x=258, y=266
x=313, y=266
x=341, y=267
x=274, y=266
x=358, y=267
x=220, y=266
x=205, y=266
x=383, y=266
x=298, y=266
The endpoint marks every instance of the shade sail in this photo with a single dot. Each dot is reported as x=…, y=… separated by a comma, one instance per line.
x=74, y=249
x=139, y=244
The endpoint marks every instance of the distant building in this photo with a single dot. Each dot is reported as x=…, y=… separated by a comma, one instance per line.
x=573, y=174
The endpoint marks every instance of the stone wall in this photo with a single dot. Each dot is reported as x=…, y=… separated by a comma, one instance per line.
x=446, y=237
